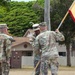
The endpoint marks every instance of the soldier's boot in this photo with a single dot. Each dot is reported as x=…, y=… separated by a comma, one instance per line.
x=0, y=69
x=54, y=74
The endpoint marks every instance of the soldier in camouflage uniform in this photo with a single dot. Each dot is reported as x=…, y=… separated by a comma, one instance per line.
x=37, y=55
x=5, y=52
x=46, y=42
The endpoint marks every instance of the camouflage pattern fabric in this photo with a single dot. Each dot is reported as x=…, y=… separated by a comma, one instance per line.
x=5, y=68
x=46, y=42
x=37, y=56
x=45, y=65
x=5, y=62
x=37, y=71
x=0, y=69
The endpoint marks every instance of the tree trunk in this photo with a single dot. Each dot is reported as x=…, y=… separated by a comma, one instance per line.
x=68, y=55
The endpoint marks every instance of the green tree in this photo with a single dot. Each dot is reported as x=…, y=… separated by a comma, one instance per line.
x=5, y=3
x=19, y=16
x=59, y=9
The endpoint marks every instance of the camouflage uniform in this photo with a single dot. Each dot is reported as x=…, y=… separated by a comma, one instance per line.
x=5, y=53
x=46, y=41
x=37, y=54
x=5, y=60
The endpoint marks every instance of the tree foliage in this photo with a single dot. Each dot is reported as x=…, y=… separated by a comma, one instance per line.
x=59, y=9
x=5, y=3
x=20, y=16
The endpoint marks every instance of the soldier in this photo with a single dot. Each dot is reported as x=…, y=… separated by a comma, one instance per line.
x=5, y=52
x=37, y=55
x=46, y=42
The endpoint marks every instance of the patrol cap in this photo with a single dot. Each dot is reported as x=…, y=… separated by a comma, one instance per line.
x=35, y=27
x=43, y=24
x=3, y=26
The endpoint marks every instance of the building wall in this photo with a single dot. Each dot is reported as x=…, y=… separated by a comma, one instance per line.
x=19, y=51
x=72, y=53
x=27, y=61
x=27, y=58
x=63, y=61
x=61, y=48
x=22, y=48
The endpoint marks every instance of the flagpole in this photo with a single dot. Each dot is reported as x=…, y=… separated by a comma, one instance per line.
x=65, y=16
x=63, y=20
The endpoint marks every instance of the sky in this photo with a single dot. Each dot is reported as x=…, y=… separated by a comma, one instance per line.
x=23, y=0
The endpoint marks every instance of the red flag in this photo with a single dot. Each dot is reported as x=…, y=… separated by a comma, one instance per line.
x=72, y=11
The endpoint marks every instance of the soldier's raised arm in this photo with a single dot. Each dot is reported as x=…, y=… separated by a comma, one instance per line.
x=59, y=36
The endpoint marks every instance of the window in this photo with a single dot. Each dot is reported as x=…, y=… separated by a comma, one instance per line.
x=62, y=53
x=25, y=45
x=27, y=53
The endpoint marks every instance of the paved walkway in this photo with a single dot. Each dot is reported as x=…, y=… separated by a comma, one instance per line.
x=29, y=72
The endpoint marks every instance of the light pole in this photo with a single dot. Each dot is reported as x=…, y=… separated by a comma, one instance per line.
x=47, y=13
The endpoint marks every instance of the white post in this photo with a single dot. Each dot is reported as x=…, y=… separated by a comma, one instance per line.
x=47, y=13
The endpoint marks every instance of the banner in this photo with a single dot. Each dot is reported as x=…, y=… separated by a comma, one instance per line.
x=72, y=11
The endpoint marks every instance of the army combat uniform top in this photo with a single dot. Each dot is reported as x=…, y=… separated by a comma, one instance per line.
x=37, y=55
x=5, y=54
x=8, y=46
x=46, y=42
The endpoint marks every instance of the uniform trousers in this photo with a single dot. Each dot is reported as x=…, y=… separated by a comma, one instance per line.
x=37, y=71
x=45, y=61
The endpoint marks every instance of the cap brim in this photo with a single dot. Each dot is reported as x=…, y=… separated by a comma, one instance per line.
x=36, y=29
